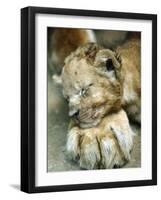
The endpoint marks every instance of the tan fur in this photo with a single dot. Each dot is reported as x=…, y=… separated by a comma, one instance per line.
x=103, y=137
x=130, y=54
x=105, y=146
x=99, y=135
x=64, y=41
x=106, y=91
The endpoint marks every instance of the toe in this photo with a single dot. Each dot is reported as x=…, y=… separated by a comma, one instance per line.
x=90, y=153
x=72, y=145
x=111, y=154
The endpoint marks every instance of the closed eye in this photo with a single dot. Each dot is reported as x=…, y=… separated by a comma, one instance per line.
x=84, y=91
x=90, y=84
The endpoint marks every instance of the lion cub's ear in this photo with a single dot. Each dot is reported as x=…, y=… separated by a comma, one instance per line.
x=108, y=57
x=57, y=79
x=108, y=63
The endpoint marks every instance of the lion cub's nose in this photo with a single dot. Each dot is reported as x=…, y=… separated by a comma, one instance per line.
x=74, y=113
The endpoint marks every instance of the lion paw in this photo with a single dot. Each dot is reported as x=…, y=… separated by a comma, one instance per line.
x=95, y=150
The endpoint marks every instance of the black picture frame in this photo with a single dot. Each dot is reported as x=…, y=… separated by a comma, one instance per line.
x=28, y=98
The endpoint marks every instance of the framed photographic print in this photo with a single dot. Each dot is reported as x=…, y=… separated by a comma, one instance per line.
x=88, y=99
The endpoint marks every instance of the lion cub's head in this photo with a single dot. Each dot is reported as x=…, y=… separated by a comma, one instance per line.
x=92, y=84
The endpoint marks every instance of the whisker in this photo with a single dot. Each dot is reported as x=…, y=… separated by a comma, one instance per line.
x=87, y=112
x=85, y=117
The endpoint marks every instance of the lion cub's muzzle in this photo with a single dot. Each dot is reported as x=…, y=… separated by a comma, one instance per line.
x=84, y=117
x=80, y=115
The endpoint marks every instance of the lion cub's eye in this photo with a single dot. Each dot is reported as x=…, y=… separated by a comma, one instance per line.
x=109, y=65
x=84, y=91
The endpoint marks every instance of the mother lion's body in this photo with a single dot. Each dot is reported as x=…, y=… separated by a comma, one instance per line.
x=130, y=54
